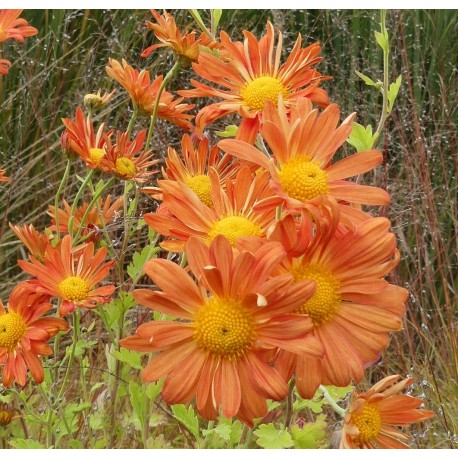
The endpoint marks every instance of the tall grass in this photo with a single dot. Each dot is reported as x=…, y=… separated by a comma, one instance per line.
x=52, y=73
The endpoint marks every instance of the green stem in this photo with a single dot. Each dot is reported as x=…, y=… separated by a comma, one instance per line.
x=132, y=120
x=91, y=204
x=77, y=198
x=331, y=401
x=165, y=81
x=386, y=75
x=57, y=199
x=76, y=331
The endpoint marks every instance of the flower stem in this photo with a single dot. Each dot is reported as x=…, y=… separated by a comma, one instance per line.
x=331, y=401
x=76, y=331
x=91, y=204
x=165, y=81
x=77, y=198
x=57, y=199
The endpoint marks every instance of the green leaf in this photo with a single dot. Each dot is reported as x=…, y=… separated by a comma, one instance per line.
x=216, y=16
x=132, y=358
x=309, y=436
x=154, y=389
x=223, y=431
x=361, y=137
x=271, y=437
x=135, y=268
x=137, y=399
x=25, y=443
x=393, y=93
x=229, y=131
x=382, y=40
x=187, y=417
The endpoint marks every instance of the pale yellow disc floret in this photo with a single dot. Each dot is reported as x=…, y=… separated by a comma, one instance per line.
x=12, y=328
x=74, y=289
x=324, y=303
x=368, y=422
x=225, y=328
x=233, y=227
x=125, y=167
x=96, y=155
x=201, y=185
x=303, y=179
x=257, y=92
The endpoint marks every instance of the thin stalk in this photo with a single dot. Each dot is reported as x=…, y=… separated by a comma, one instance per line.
x=57, y=199
x=77, y=198
x=91, y=204
x=76, y=331
x=331, y=401
x=386, y=82
x=165, y=81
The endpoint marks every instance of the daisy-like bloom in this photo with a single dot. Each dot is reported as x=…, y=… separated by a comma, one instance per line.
x=143, y=93
x=353, y=308
x=97, y=101
x=184, y=214
x=72, y=276
x=80, y=138
x=13, y=27
x=23, y=336
x=216, y=352
x=4, y=67
x=35, y=241
x=94, y=220
x=373, y=415
x=193, y=169
x=127, y=160
x=185, y=45
x=6, y=414
x=3, y=177
x=303, y=145
x=250, y=75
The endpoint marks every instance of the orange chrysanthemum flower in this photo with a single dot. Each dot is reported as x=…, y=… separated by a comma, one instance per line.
x=80, y=138
x=35, y=241
x=184, y=215
x=3, y=177
x=167, y=32
x=143, y=93
x=122, y=158
x=372, y=415
x=353, y=308
x=23, y=336
x=13, y=27
x=232, y=316
x=303, y=145
x=252, y=74
x=4, y=67
x=72, y=276
x=94, y=220
x=193, y=169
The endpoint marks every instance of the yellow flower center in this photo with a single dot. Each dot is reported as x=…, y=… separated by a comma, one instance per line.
x=74, y=289
x=324, y=303
x=257, y=92
x=12, y=328
x=224, y=327
x=201, y=185
x=303, y=179
x=125, y=167
x=96, y=155
x=233, y=227
x=368, y=421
